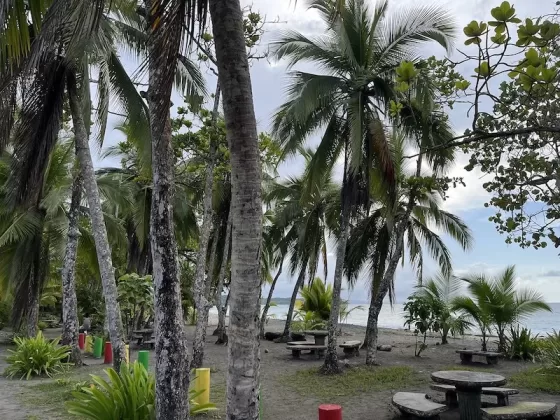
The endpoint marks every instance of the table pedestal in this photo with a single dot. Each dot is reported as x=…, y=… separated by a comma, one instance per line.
x=470, y=403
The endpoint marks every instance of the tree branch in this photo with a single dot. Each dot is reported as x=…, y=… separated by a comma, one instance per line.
x=468, y=138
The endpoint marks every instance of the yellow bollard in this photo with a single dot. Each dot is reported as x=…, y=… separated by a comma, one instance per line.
x=89, y=344
x=202, y=383
x=127, y=353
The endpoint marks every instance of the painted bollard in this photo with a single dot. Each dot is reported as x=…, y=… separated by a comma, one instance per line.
x=202, y=385
x=330, y=412
x=127, y=353
x=108, y=353
x=88, y=348
x=143, y=358
x=98, y=347
x=81, y=341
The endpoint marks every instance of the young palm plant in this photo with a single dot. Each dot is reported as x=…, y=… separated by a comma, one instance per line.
x=359, y=55
x=496, y=303
x=439, y=292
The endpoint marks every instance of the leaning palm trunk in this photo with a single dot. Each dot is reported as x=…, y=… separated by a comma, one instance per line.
x=331, y=358
x=246, y=210
x=387, y=280
x=203, y=310
x=299, y=284
x=268, y=301
x=222, y=309
x=112, y=308
x=202, y=282
x=70, y=324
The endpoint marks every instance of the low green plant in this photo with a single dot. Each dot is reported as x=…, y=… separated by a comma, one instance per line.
x=128, y=395
x=521, y=344
x=42, y=325
x=36, y=356
x=305, y=321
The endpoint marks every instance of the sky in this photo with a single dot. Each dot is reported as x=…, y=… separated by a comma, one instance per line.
x=538, y=269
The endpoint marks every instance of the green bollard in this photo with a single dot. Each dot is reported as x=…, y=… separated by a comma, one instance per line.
x=144, y=358
x=98, y=347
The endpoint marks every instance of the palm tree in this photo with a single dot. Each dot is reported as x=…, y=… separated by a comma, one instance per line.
x=31, y=236
x=414, y=213
x=359, y=55
x=495, y=302
x=440, y=291
x=306, y=213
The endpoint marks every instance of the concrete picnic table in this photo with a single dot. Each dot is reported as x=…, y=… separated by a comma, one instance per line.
x=146, y=334
x=469, y=389
x=319, y=335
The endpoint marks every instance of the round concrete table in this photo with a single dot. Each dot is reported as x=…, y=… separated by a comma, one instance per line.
x=469, y=389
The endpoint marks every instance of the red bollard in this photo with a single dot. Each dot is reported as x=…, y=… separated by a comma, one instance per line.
x=81, y=341
x=108, y=353
x=330, y=412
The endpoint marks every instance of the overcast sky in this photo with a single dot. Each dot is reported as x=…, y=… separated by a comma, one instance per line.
x=538, y=269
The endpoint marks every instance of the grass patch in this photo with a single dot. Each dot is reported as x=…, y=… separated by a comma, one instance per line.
x=542, y=380
x=51, y=396
x=352, y=381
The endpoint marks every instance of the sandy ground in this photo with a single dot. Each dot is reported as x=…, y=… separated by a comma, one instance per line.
x=281, y=402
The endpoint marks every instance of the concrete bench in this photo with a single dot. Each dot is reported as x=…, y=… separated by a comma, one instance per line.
x=522, y=410
x=315, y=349
x=351, y=348
x=467, y=355
x=416, y=404
x=300, y=343
x=451, y=393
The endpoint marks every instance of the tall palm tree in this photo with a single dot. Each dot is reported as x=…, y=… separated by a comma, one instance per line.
x=306, y=213
x=496, y=302
x=359, y=55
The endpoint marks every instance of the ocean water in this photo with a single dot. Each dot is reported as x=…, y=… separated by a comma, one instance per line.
x=541, y=322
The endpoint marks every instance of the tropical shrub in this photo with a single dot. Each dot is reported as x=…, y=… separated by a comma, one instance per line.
x=423, y=317
x=130, y=395
x=36, y=356
x=521, y=344
x=42, y=325
x=136, y=297
x=549, y=350
x=305, y=321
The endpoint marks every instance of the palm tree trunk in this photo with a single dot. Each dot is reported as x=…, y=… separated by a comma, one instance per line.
x=331, y=357
x=33, y=313
x=70, y=323
x=112, y=308
x=379, y=295
x=246, y=210
x=172, y=364
x=268, y=300
x=202, y=310
x=202, y=282
x=299, y=284
x=221, y=329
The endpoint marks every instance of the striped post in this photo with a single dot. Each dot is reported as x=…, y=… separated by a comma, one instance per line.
x=202, y=383
x=108, y=353
x=81, y=341
x=330, y=412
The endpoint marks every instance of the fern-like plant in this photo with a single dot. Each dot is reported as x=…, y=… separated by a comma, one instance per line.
x=36, y=356
x=130, y=395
